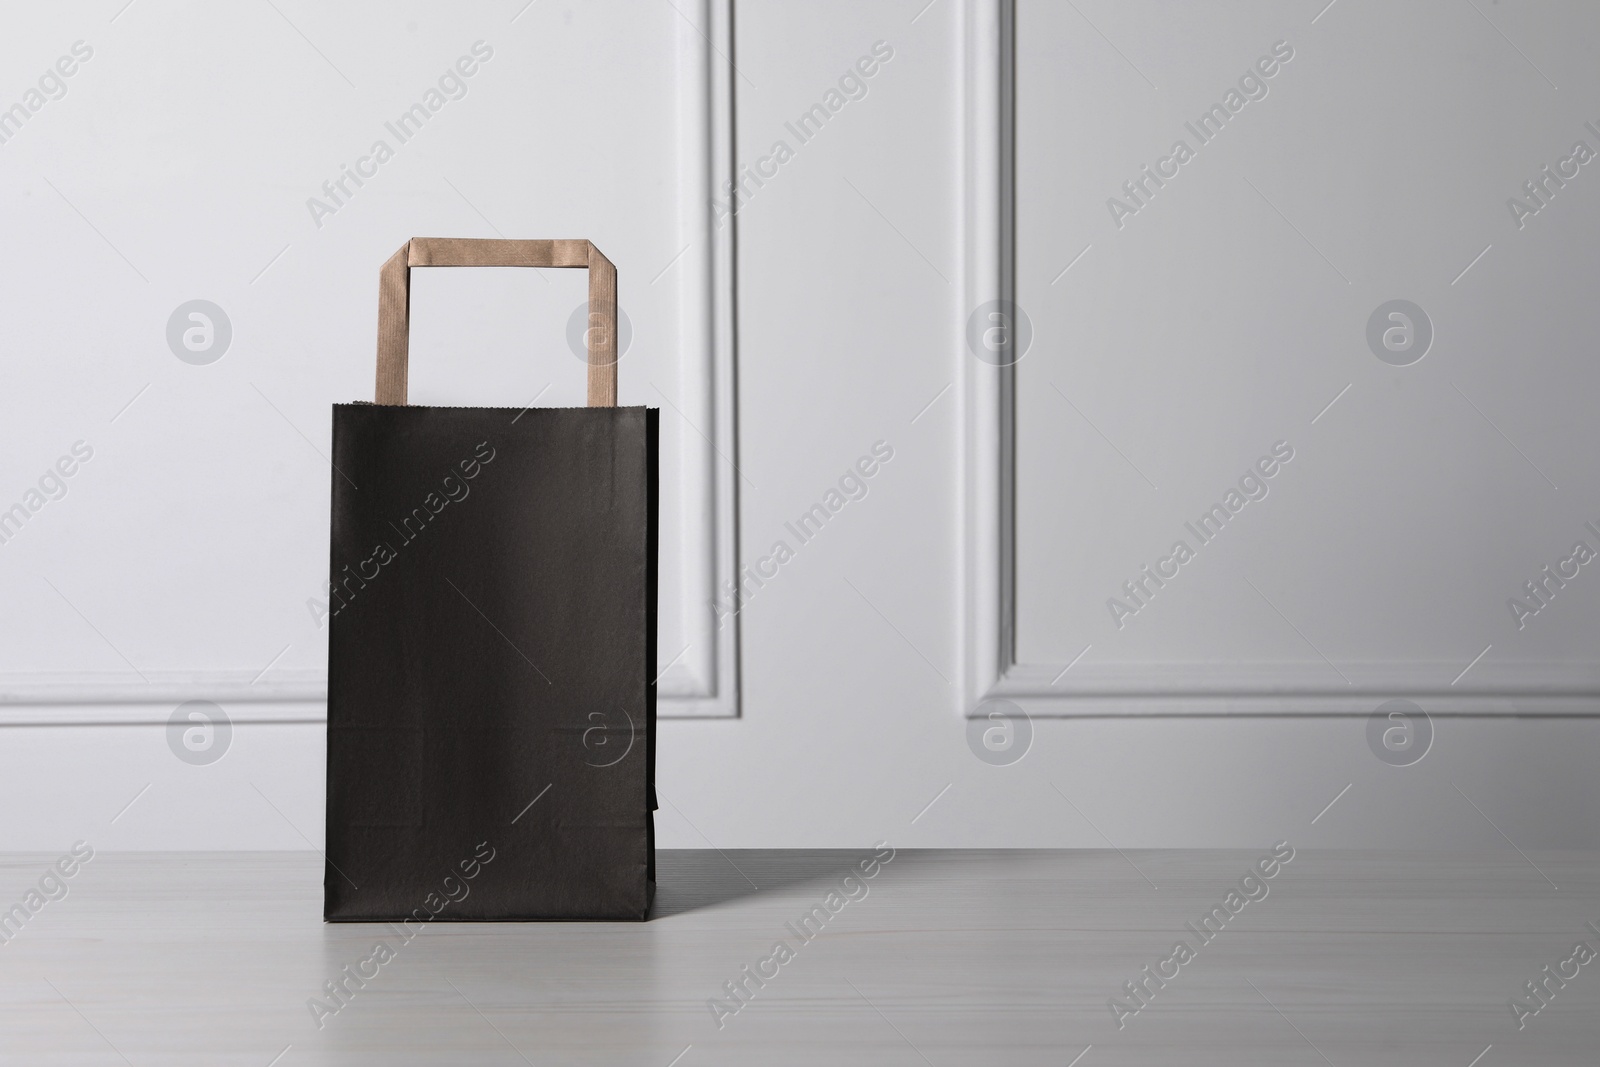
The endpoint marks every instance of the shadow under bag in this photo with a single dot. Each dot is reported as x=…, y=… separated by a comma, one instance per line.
x=492, y=637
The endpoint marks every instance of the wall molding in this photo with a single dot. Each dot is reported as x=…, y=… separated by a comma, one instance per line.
x=986, y=527
x=985, y=456
x=703, y=680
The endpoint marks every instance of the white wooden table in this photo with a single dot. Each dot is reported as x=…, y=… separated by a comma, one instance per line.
x=949, y=958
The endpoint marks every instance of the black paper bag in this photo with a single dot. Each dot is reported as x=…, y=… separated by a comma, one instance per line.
x=492, y=637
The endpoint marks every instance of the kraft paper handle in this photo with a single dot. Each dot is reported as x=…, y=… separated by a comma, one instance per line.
x=394, y=302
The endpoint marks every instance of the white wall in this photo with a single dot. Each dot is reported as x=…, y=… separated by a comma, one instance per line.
x=1219, y=320
x=851, y=309
x=241, y=183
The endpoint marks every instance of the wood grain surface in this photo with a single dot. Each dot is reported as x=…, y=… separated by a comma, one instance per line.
x=940, y=958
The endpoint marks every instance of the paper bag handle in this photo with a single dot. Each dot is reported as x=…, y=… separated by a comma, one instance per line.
x=394, y=302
